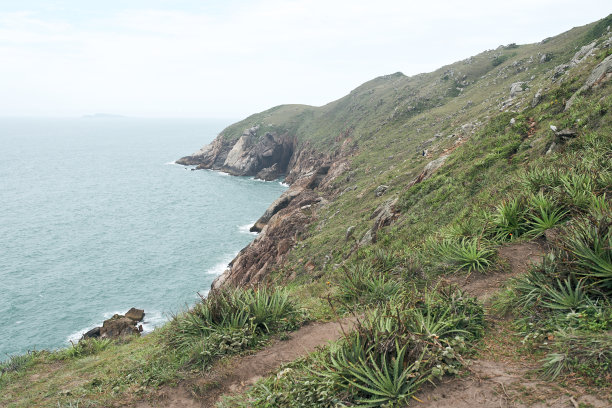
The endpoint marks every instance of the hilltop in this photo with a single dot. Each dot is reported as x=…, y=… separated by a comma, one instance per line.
x=457, y=223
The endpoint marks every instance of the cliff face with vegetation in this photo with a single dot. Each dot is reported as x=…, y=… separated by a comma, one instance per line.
x=459, y=217
x=388, y=134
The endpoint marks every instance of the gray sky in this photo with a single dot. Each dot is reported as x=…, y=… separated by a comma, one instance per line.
x=188, y=58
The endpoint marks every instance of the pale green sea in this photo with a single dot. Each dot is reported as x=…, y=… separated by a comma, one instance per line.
x=95, y=219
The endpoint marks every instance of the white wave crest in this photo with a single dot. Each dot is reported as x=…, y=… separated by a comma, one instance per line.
x=152, y=320
x=220, y=267
x=245, y=229
x=282, y=183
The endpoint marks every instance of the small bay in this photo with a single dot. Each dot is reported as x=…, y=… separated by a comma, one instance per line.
x=95, y=218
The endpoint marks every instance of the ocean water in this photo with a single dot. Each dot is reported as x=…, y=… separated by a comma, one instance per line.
x=95, y=218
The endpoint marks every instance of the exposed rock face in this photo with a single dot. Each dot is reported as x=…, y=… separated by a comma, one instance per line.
x=118, y=326
x=285, y=220
x=278, y=204
x=380, y=190
x=601, y=73
x=93, y=333
x=249, y=155
x=269, y=173
x=211, y=156
x=516, y=88
x=429, y=169
x=383, y=216
x=267, y=157
x=135, y=314
x=536, y=98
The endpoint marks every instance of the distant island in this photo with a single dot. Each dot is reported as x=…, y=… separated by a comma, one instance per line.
x=102, y=116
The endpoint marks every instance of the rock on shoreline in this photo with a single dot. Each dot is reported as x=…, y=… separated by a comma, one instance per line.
x=118, y=326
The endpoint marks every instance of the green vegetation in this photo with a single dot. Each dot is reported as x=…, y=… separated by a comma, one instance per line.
x=224, y=324
x=393, y=349
x=230, y=322
x=465, y=253
x=507, y=179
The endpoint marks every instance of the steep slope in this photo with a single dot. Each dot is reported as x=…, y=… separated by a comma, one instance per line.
x=404, y=183
x=388, y=133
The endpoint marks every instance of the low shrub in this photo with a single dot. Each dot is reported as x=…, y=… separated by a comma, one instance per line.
x=509, y=219
x=85, y=347
x=362, y=284
x=469, y=254
x=382, y=362
x=589, y=243
x=228, y=322
x=587, y=353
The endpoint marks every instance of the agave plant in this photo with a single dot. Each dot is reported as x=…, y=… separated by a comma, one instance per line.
x=538, y=178
x=590, y=244
x=565, y=296
x=578, y=188
x=530, y=287
x=466, y=254
x=545, y=219
x=587, y=350
x=600, y=206
x=380, y=380
x=434, y=322
x=363, y=283
x=509, y=219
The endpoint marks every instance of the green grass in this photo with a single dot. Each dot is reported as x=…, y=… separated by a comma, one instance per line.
x=497, y=187
x=383, y=361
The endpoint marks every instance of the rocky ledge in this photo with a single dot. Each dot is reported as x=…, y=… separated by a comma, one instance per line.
x=266, y=156
x=118, y=326
x=309, y=174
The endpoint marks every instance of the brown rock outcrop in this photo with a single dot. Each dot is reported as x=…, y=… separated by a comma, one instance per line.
x=266, y=155
x=118, y=326
x=309, y=173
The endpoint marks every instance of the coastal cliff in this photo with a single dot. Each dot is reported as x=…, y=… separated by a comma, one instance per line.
x=309, y=174
x=464, y=215
x=388, y=134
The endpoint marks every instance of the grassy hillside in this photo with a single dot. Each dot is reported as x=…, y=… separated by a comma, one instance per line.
x=507, y=178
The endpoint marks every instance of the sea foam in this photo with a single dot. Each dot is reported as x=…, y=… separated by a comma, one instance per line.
x=220, y=267
x=246, y=229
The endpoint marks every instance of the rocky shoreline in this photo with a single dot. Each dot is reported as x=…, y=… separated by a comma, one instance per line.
x=118, y=326
x=269, y=156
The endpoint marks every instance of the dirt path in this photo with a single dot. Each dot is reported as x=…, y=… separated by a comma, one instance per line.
x=500, y=377
x=236, y=375
x=518, y=257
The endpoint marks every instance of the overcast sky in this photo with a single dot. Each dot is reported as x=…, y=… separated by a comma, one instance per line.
x=191, y=58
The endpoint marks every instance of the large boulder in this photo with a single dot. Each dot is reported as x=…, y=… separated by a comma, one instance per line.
x=135, y=314
x=601, y=73
x=383, y=216
x=92, y=334
x=269, y=173
x=517, y=88
x=118, y=326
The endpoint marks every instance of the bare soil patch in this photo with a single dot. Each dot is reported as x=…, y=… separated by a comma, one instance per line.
x=503, y=376
x=518, y=258
x=239, y=373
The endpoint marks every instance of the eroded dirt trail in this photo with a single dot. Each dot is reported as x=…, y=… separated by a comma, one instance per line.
x=518, y=256
x=237, y=374
x=500, y=378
